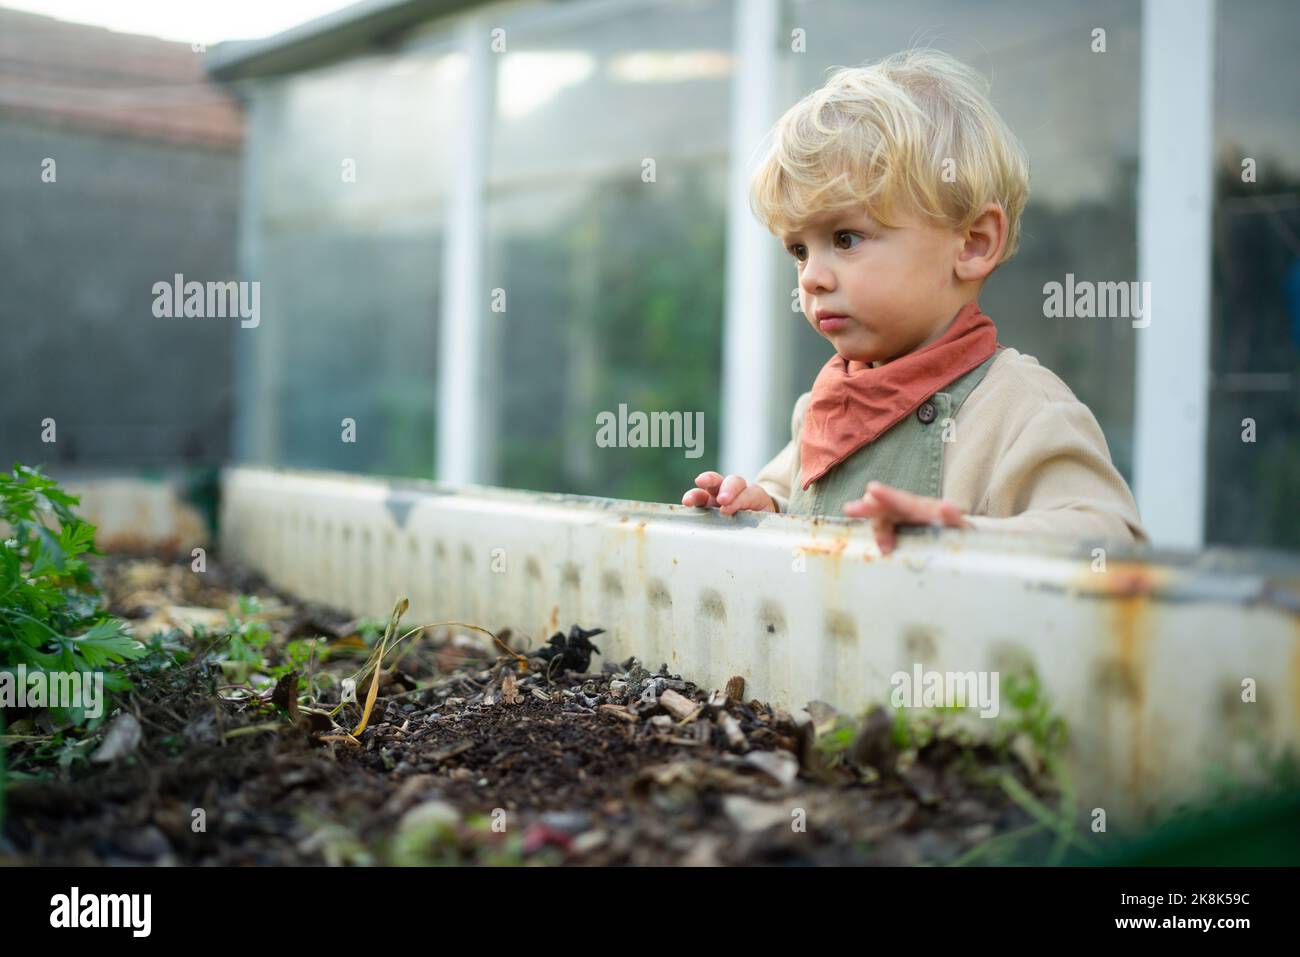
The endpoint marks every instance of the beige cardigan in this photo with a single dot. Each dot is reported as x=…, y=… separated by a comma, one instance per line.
x=1027, y=456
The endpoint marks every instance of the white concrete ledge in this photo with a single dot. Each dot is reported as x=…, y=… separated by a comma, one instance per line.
x=1145, y=660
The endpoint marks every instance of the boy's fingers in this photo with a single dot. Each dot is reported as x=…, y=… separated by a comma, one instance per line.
x=951, y=515
x=709, y=481
x=886, y=536
x=752, y=497
x=890, y=507
x=906, y=507
x=865, y=507
x=732, y=486
x=909, y=509
x=697, y=498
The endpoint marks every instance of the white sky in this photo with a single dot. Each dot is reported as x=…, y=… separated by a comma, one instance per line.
x=201, y=21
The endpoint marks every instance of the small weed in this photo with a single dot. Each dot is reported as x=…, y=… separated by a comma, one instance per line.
x=1031, y=714
x=834, y=742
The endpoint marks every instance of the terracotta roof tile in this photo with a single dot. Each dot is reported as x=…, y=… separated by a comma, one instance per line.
x=118, y=83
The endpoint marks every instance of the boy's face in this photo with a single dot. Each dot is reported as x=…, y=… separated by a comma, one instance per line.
x=894, y=286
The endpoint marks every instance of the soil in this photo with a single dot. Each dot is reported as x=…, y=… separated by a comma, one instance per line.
x=474, y=756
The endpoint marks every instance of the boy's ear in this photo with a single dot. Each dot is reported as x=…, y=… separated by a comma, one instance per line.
x=983, y=242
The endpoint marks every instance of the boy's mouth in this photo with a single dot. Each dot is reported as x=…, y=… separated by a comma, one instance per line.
x=830, y=321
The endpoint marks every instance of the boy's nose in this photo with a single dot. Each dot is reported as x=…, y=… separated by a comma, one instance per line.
x=816, y=277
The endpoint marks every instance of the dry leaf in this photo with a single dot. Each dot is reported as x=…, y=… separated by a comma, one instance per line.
x=398, y=610
x=373, y=692
x=286, y=695
x=340, y=739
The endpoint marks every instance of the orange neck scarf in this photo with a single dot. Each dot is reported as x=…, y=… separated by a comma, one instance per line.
x=853, y=403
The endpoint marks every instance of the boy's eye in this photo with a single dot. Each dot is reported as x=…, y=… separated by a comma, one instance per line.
x=800, y=252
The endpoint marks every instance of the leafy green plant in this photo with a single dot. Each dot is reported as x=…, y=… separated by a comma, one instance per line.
x=50, y=610
x=241, y=646
x=1031, y=713
x=297, y=655
x=246, y=650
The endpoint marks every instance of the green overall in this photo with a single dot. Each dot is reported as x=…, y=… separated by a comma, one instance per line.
x=908, y=456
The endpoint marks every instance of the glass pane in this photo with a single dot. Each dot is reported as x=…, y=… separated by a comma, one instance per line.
x=612, y=270
x=349, y=173
x=383, y=122
x=349, y=315
x=615, y=300
x=1253, y=449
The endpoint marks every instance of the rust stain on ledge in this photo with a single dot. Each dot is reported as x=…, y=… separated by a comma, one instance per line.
x=1132, y=627
x=1123, y=580
x=834, y=549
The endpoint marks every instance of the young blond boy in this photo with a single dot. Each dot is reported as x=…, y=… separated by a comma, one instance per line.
x=898, y=190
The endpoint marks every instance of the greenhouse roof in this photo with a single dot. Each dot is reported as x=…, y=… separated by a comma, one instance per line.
x=325, y=38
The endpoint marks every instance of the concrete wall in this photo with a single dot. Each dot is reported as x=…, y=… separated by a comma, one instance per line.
x=78, y=260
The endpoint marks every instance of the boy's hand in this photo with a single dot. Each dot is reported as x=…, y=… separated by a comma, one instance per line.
x=890, y=507
x=730, y=495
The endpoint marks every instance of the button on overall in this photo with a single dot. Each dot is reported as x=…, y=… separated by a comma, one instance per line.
x=926, y=412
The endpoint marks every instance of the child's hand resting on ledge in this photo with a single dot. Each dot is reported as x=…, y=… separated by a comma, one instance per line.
x=890, y=507
x=729, y=495
x=886, y=507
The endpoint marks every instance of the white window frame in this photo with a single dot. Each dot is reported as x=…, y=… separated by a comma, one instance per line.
x=1175, y=218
